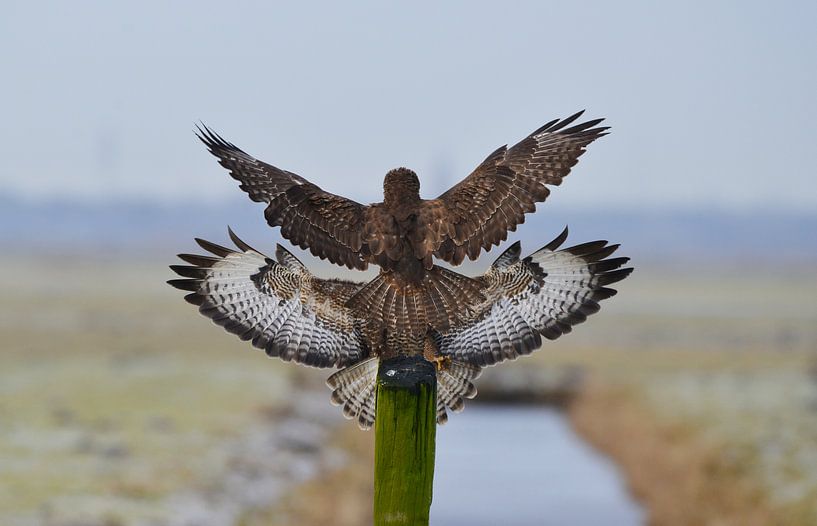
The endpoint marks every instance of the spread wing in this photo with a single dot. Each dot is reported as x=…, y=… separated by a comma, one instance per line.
x=483, y=207
x=330, y=226
x=277, y=304
x=544, y=294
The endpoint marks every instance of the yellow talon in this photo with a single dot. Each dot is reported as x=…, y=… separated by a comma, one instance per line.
x=441, y=362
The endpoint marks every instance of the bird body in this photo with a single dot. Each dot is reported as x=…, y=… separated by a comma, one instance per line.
x=413, y=306
x=403, y=233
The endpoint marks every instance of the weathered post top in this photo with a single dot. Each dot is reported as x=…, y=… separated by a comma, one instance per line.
x=407, y=372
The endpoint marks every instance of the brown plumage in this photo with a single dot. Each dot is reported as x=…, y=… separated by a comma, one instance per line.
x=403, y=233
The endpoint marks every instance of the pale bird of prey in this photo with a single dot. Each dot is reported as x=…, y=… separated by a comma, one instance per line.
x=404, y=233
x=278, y=305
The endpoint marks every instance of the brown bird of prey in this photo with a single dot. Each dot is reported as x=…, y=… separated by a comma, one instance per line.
x=404, y=233
x=289, y=313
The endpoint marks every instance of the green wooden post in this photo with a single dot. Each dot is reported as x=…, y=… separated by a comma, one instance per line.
x=405, y=429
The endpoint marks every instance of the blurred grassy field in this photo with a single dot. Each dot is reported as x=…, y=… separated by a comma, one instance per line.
x=703, y=387
x=115, y=395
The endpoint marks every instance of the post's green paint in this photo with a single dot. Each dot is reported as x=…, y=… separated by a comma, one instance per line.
x=405, y=430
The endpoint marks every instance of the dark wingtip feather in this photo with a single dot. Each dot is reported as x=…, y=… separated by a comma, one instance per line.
x=587, y=127
x=543, y=128
x=600, y=254
x=564, y=122
x=244, y=247
x=585, y=132
x=606, y=265
x=603, y=293
x=189, y=272
x=573, y=117
x=214, y=141
x=557, y=242
x=208, y=137
x=556, y=124
x=614, y=276
x=200, y=261
x=587, y=249
x=589, y=307
x=199, y=133
x=194, y=299
x=213, y=248
x=191, y=285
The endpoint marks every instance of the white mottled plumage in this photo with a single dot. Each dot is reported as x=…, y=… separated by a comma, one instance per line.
x=285, y=310
x=291, y=314
x=453, y=386
x=544, y=294
x=353, y=388
x=278, y=305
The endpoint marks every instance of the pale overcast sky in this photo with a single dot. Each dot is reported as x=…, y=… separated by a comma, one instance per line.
x=711, y=103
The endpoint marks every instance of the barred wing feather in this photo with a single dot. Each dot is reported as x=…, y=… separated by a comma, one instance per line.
x=482, y=208
x=329, y=225
x=278, y=305
x=543, y=295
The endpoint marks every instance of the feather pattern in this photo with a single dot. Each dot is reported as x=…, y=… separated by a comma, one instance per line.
x=278, y=305
x=467, y=324
x=494, y=199
x=475, y=214
x=403, y=233
x=454, y=386
x=328, y=225
x=441, y=300
x=354, y=389
x=543, y=295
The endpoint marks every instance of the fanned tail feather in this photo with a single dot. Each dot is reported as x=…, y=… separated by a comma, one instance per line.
x=454, y=386
x=443, y=299
x=354, y=389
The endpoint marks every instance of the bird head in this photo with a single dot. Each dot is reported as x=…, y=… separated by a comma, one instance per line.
x=401, y=185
